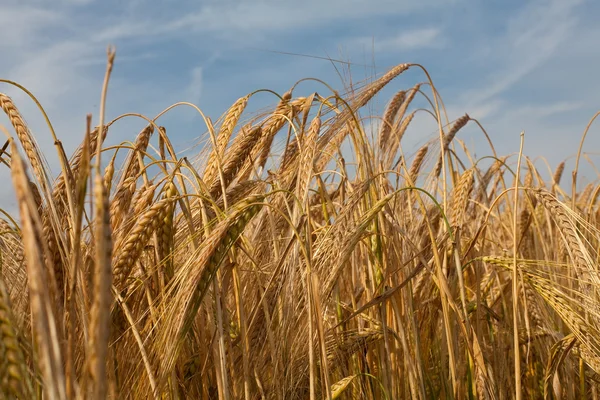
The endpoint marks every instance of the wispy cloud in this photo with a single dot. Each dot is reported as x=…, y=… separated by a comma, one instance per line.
x=196, y=85
x=529, y=39
x=231, y=17
x=421, y=38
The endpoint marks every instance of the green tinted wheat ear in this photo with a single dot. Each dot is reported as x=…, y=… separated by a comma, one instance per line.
x=14, y=377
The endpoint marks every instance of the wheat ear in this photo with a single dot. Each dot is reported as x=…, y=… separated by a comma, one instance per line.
x=14, y=377
x=194, y=280
x=231, y=119
x=46, y=330
x=25, y=138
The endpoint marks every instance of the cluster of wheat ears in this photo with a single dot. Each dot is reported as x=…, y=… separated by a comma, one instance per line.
x=256, y=275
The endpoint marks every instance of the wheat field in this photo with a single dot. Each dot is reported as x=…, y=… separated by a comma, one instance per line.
x=301, y=272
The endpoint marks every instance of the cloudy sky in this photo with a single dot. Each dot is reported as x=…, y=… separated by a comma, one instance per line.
x=515, y=65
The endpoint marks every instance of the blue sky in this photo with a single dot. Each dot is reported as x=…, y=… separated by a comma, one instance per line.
x=514, y=65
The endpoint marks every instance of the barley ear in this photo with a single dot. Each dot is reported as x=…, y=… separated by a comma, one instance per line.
x=14, y=377
x=194, y=279
x=165, y=231
x=449, y=137
x=25, y=138
x=389, y=116
x=416, y=165
x=46, y=332
x=231, y=119
x=460, y=197
x=130, y=247
x=558, y=353
x=338, y=388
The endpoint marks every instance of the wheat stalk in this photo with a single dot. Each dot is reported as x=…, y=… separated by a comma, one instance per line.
x=102, y=281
